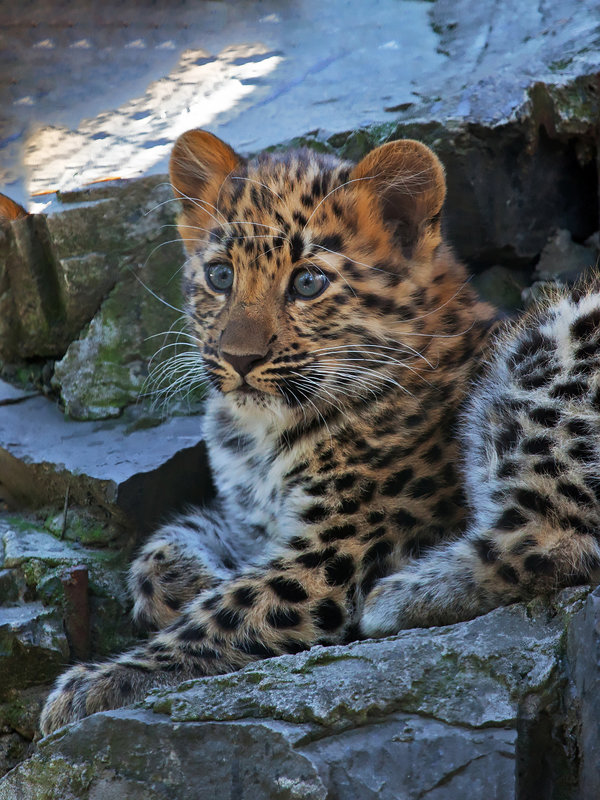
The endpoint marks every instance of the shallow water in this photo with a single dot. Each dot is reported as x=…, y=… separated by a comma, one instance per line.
x=102, y=91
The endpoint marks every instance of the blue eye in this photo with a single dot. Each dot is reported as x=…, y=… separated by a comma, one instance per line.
x=308, y=283
x=219, y=277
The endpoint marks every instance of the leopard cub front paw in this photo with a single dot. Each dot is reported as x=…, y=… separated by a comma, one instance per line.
x=88, y=688
x=67, y=701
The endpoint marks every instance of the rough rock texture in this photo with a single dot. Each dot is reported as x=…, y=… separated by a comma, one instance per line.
x=513, y=115
x=45, y=621
x=93, y=286
x=469, y=709
x=122, y=241
x=507, y=94
x=584, y=658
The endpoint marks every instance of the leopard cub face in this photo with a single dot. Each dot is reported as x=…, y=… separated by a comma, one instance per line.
x=307, y=276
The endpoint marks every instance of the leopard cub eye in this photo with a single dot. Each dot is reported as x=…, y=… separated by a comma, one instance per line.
x=219, y=277
x=308, y=283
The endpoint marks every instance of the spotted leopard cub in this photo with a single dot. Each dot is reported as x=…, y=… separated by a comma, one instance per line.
x=346, y=422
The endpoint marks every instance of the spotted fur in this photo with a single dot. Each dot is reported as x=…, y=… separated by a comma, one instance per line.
x=345, y=474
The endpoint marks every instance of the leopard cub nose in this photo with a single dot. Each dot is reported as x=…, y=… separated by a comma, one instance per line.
x=243, y=363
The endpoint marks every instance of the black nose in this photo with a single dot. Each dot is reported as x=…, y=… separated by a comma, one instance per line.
x=243, y=364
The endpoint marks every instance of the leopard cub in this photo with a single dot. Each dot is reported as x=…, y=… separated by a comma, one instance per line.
x=372, y=474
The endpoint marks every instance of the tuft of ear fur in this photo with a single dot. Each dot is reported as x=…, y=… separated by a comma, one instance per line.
x=408, y=180
x=199, y=166
x=9, y=210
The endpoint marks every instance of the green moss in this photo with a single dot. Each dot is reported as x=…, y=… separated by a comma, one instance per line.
x=253, y=677
x=50, y=589
x=357, y=145
x=571, y=108
x=105, y=369
x=81, y=527
x=33, y=571
x=20, y=709
x=309, y=140
x=162, y=704
x=21, y=523
x=49, y=778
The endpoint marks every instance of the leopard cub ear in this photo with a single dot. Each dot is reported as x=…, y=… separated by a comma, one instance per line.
x=200, y=165
x=9, y=210
x=408, y=180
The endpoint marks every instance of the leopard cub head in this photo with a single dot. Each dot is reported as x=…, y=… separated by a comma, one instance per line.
x=305, y=273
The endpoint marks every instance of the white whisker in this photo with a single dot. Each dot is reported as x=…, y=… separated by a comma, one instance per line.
x=157, y=297
x=335, y=189
x=264, y=185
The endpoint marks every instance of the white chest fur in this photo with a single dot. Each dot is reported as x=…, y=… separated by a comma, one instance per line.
x=250, y=465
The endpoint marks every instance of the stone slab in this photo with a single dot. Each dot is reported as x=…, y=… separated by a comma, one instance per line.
x=138, y=475
x=11, y=394
x=401, y=758
x=474, y=674
x=22, y=545
x=407, y=757
x=433, y=714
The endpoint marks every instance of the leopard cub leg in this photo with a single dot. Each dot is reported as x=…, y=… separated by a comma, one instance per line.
x=512, y=561
x=181, y=560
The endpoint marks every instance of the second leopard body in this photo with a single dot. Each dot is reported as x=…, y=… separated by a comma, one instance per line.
x=383, y=460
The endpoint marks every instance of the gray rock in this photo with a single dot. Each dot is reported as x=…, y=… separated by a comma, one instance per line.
x=11, y=394
x=398, y=758
x=43, y=623
x=33, y=646
x=137, y=475
x=521, y=126
x=502, y=286
x=563, y=259
x=460, y=674
x=584, y=657
x=427, y=714
x=32, y=309
x=13, y=749
x=96, y=287
x=20, y=546
x=20, y=709
x=506, y=92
